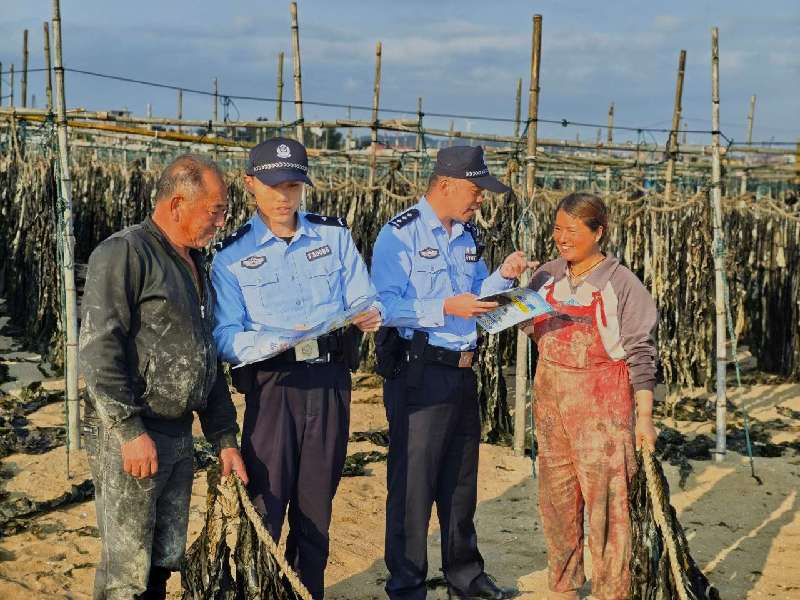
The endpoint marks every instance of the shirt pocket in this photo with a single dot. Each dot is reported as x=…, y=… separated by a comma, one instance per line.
x=466, y=276
x=325, y=281
x=260, y=290
x=429, y=278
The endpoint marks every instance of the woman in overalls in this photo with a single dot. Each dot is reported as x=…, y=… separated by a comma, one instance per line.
x=593, y=399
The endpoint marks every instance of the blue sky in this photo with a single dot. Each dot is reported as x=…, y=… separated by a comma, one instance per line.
x=461, y=57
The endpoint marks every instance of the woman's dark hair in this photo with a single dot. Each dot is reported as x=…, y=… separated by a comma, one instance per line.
x=588, y=208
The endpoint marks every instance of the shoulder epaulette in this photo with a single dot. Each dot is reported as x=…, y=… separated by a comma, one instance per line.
x=477, y=237
x=232, y=237
x=405, y=218
x=323, y=220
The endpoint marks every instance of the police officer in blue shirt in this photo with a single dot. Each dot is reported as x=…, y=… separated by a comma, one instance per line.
x=284, y=272
x=428, y=270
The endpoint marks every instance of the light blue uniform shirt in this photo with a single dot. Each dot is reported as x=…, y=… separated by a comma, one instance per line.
x=266, y=287
x=416, y=265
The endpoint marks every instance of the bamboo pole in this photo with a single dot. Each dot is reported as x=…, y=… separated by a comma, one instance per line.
x=279, y=105
x=672, y=141
x=750, y=116
x=376, y=95
x=11, y=99
x=68, y=247
x=47, y=65
x=719, y=258
x=24, y=82
x=1, y=84
x=180, y=110
x=298, y=84
x=521, y=366
x=610, y=137
x=518, y=108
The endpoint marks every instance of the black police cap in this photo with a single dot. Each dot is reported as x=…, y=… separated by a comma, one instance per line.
x=466, y=162
x=278, y=160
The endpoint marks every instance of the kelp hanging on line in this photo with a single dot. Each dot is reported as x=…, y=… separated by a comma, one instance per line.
x=669, y=247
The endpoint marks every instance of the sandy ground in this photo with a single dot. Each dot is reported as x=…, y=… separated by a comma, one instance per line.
x=746, y=537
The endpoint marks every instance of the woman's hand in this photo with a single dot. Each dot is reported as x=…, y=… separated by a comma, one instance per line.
x=645, y=433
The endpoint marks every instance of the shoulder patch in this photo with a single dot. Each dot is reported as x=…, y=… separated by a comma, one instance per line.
x=405, y=218
x=232, y=237
x=323, y=220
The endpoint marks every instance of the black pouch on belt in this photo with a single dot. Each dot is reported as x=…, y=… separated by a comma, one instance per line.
x=388, y=352
x=351, y=347
x=416, y=359
x=244, y=379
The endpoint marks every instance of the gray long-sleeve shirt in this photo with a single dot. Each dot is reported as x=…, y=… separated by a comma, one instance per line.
x=146, y=346
x=628, y=314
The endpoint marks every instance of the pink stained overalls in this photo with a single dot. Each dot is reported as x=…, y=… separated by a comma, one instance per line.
x=583, y=404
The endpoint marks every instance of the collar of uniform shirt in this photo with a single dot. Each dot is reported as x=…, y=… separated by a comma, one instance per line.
x=429, y=216
x=264, y=234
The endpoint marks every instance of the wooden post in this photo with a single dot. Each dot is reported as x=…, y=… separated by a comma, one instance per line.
x=750, y=116
x=11, y=98
x=518, y=108
x=521, y=367
x=450, y=136
x=418, y=145
x=376, y=95
x=719, y=259
x=24, y=82
x=610, y=137
x=279, y=106
x=1, y=84
x=47, y=65
x=180, y=110
x=68, y=241
x=672, y=141
x=215, y=111
x=298, y=85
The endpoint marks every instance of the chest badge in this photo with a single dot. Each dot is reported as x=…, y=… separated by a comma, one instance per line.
x=253, y=262
x=429, y=252
x=318, y=252
x=471, y=256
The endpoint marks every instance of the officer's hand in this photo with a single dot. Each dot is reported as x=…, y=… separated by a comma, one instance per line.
x=467, y=306
x=369, y=320
x=231, y=460
x=139, y=457
x=516, y=264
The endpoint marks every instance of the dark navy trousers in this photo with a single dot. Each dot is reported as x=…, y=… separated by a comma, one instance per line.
x=434, y=433
x=294, y=444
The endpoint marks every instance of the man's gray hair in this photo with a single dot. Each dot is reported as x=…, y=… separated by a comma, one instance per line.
x=185, y=175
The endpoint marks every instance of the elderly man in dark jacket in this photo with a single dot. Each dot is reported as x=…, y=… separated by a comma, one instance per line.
x=149, y=361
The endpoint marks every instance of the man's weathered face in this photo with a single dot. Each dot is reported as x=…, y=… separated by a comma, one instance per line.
x=203, y=215
x=278, y=203
x=462, y=197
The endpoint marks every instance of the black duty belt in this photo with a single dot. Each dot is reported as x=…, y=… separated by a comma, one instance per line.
x=442, y=356
x=331, y=349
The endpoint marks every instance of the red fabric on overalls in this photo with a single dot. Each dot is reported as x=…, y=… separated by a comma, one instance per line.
x=583, y=406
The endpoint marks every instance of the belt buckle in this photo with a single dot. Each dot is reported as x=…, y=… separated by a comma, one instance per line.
x=307, y=350
x=465, y=359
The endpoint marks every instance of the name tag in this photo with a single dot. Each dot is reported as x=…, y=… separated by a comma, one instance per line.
x=471, y=256
x=318, y=253
x=308, y=350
